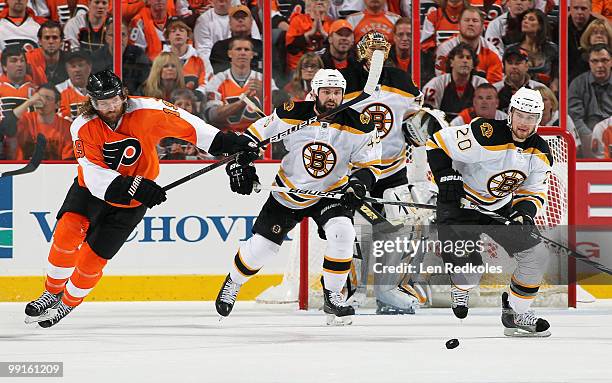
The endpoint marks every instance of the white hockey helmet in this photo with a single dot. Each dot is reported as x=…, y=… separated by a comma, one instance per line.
x=327, y=78
x=418, y=127
x=528, y=101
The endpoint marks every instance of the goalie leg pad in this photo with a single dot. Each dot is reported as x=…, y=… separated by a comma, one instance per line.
x=251, y=257
x=340, y=234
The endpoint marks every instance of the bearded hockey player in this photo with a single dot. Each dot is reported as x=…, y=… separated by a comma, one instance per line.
x=320, y=157
x=395, y=100
x=114, y=140
x=502, y=166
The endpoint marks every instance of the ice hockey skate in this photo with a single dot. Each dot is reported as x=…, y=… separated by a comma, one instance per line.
x=56, y=314
x=522, y=325
x=459, y=302
x=396, y=301
x=338, y=313
x=227, y=296
x=35, y=309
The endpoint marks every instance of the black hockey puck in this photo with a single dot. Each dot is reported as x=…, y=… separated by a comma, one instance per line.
x=452, y=343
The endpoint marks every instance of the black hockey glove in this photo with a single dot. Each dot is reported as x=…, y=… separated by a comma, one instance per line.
x=523, y=220
x=242, y=173
x=234, y=143
x=450, y=187
x=354, y=193
x=146, y=191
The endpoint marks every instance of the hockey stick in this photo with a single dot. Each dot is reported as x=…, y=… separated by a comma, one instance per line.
x=376, y=67
x=338, y=195
x=37, y=156
x=252, y=105
x=374, y=217
x=536, y=235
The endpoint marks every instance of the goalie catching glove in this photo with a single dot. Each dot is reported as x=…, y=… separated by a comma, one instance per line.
x=125, y=188
x=242, y=173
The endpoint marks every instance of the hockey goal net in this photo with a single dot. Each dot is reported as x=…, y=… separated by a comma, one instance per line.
x=303, y=271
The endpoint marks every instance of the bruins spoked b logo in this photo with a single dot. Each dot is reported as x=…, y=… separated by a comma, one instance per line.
x=319, y=159
x=125, y=152
x=382, y=117
x=504, y=183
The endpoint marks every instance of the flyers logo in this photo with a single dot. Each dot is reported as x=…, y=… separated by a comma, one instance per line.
x=125, y=152
x=319, y=159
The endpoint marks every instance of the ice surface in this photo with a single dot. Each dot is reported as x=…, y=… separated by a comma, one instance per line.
x=185, y=342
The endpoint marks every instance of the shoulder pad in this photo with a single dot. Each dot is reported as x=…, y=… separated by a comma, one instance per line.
x=491, y=132
x=296, y=110
x=538, y=145
x=353, y=119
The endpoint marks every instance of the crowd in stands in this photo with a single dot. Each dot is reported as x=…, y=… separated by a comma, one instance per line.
x=203, y=55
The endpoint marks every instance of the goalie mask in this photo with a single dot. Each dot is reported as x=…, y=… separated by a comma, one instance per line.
x=370, y=42
x=420, y=126
x=528, y=101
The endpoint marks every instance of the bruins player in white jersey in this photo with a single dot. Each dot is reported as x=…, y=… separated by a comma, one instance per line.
x=395, y=100
x=320, y=157
x=502, y=166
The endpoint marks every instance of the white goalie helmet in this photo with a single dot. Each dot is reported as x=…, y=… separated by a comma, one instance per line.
x=417, y=127
x=528, y=101
x=327, y=78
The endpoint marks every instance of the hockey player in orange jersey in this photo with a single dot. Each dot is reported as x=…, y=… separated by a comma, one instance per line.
x=114, y=139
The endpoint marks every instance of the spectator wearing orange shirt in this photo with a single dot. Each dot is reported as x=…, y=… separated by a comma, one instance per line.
x=471, y=26
x=307, y=31
x=48, y=63
x=44, y=119
x=485, y=105
x=147, y=27
x=373, y=18
x=196, y=72
x=62, y=10
x=19, y=25
x=441, y=24
x=604, y=8
x=400, y=53
x=224, y=109
x=72, y=91
x=15, y=88
x=339, y=53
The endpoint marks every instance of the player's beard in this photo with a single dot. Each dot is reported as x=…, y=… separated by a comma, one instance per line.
x=325, y=108
x=111, y=119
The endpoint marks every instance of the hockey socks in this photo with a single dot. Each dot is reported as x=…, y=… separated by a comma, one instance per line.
x=69, y=235
x=86, y=275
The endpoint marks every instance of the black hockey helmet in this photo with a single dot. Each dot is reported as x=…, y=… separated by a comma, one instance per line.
x=104, y=84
